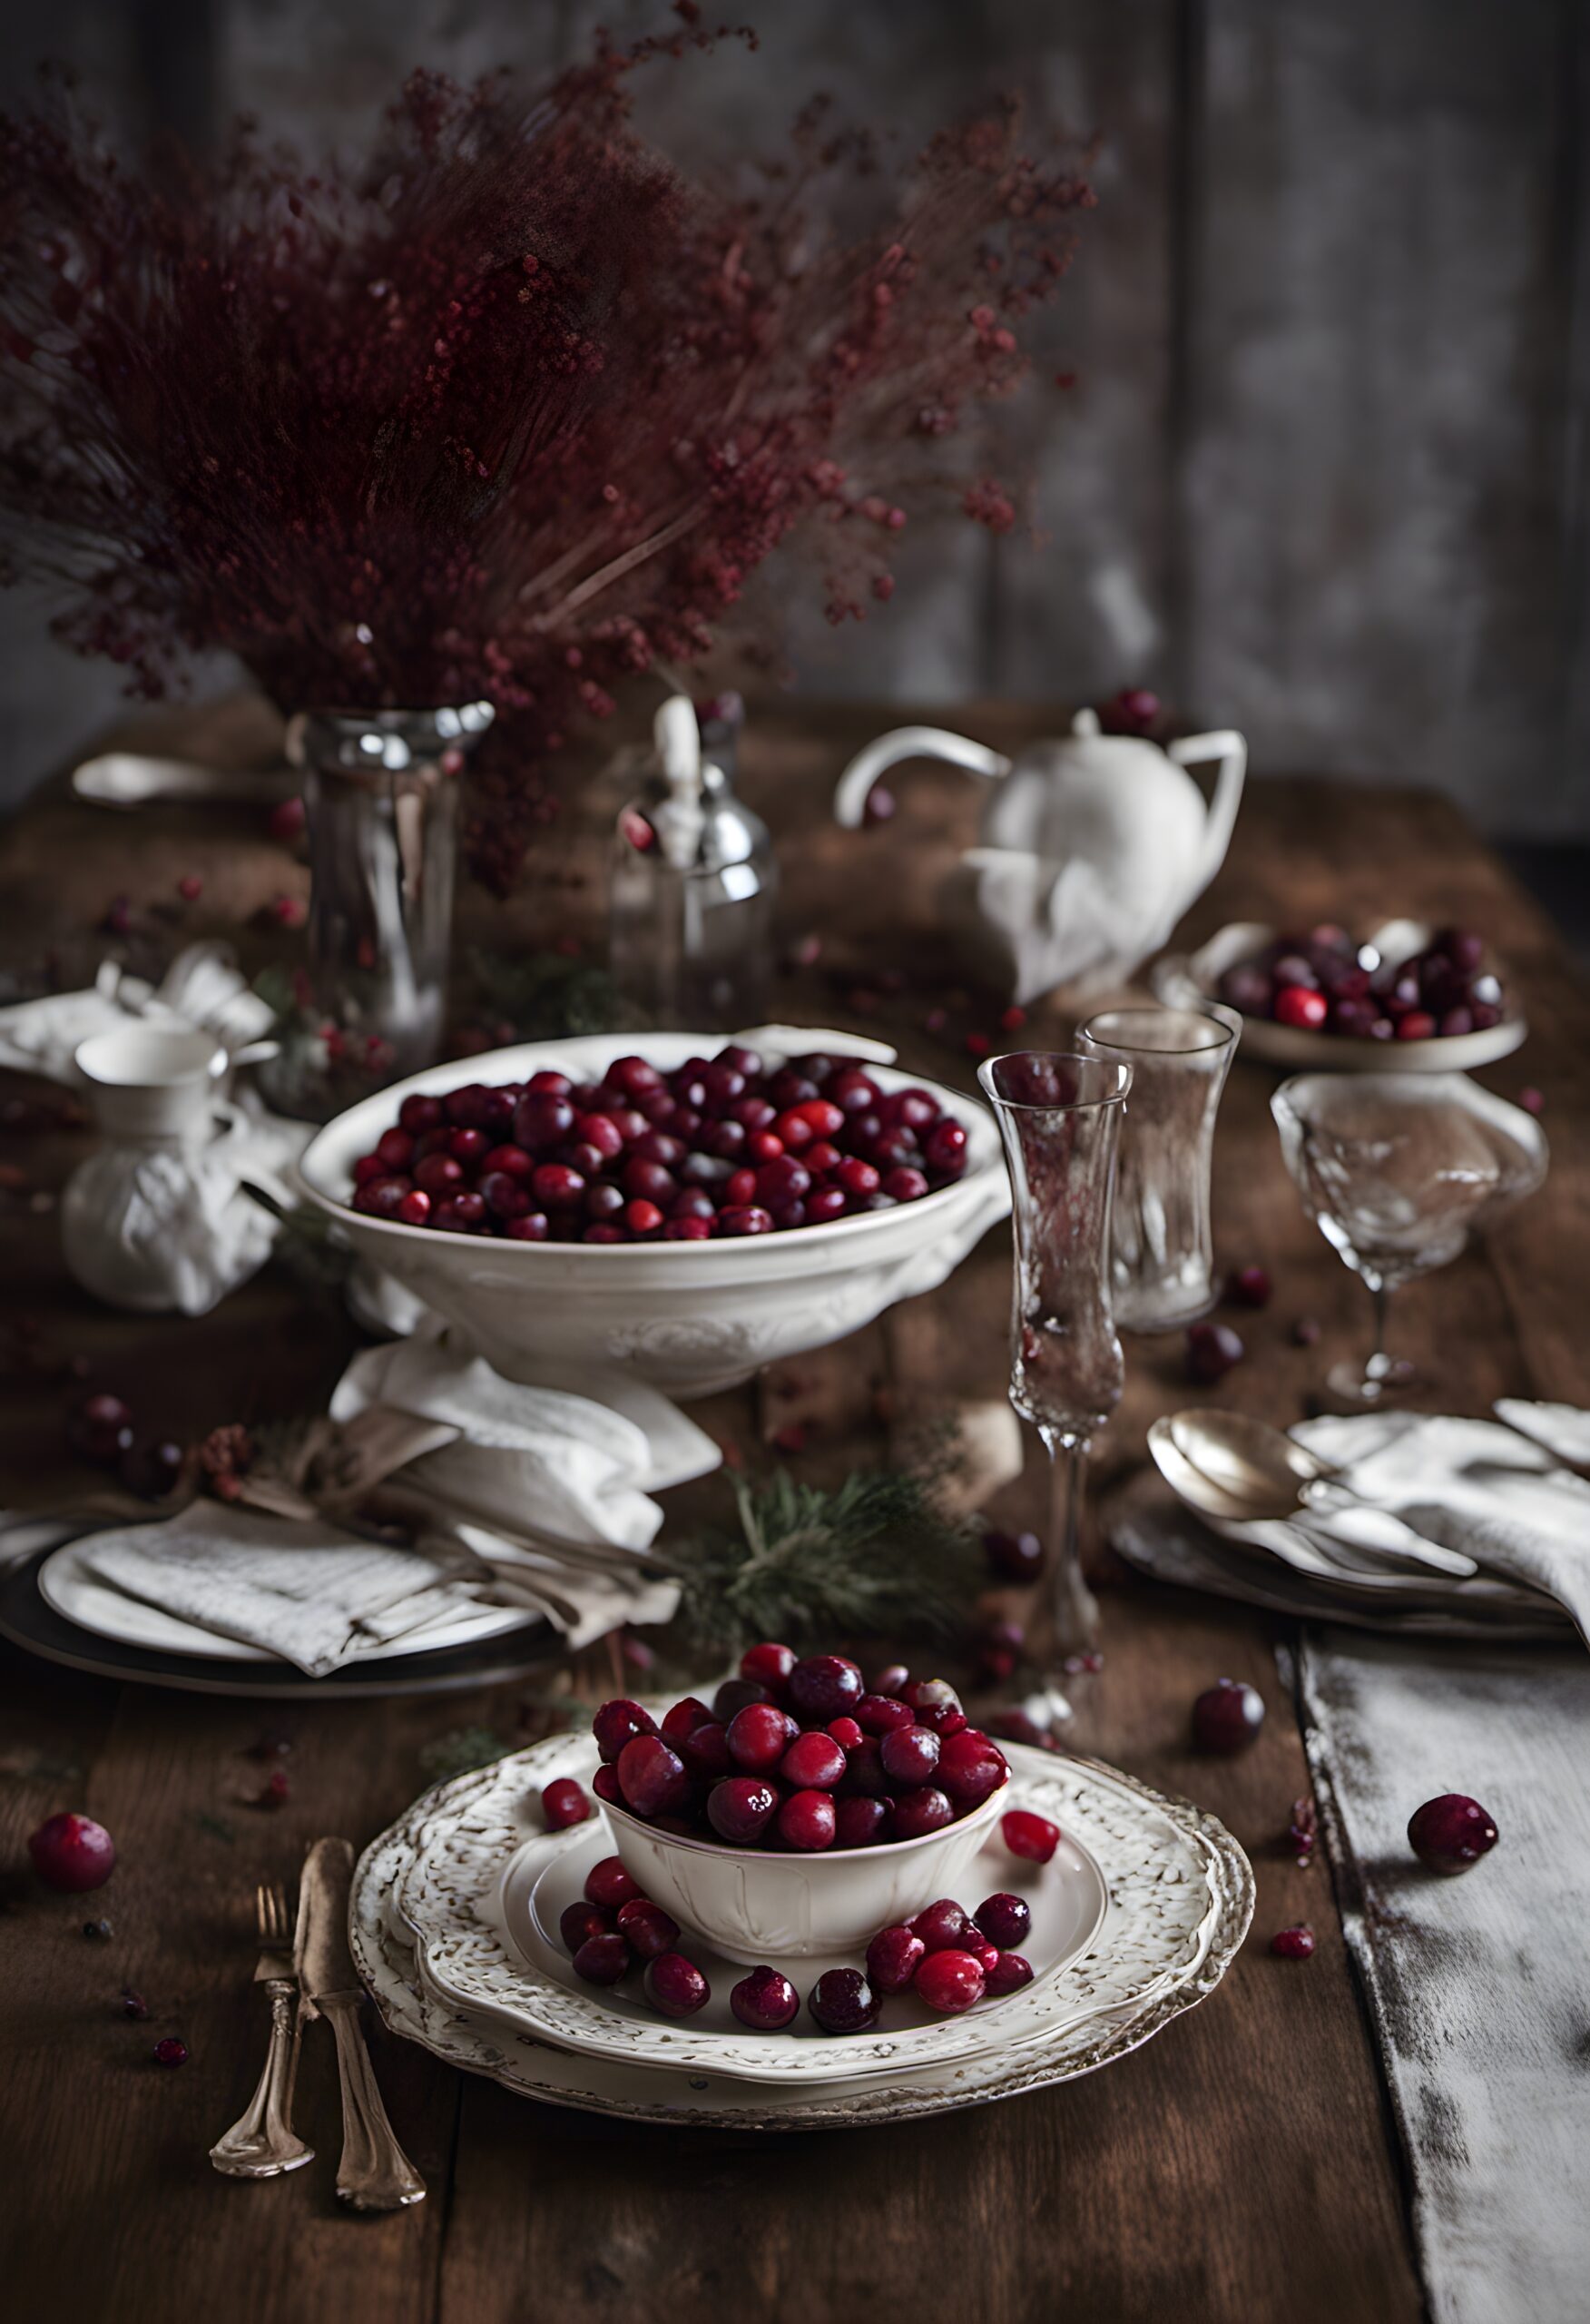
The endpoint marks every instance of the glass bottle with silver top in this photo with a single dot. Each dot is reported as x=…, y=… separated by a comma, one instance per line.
x=694, y=882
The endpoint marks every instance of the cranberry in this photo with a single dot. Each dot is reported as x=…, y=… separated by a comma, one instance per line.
x=893, y=1958
x=439, y=1173
x=1449, y=1833
x=171, y=2052
x=740, y=1808
x=759, y=1737
x=653, y=1777
x=647, y=1928
x=951, y=1981
x=1212, y=1349
x=734, y=1694
x=878, y=1714
x=418, y=1114
x=1296, y=1006
x=604, y=1959
x=1227, y=1716
x=942, y=1924
x=687, y=1230
x=945, y=1148
x=1417, y=1025
x=508, y=1196
x=395, y=1149
x=891, y=1681
x=1247, y=1287
x=576, y=1922
x=1029, y=1835
x=558, y=1187
x=925, y=1809
x=689, y=1712
x=468, y=1147
x=909, y=1754
x=825, y=1686
x=73, y=1852
x=675, y=1985
x=1461, y=946
x=765, y=2001
x=605, y=1783
x=744, y=1218
x=904, y=1185
x=861, y=1821
x=1293, y=1943
x=768, y=1664
x=781, y=1181
x=607, y=1883
x=1014, y=1557
x=971, y=1767
x=415, y=1208
x=102, y=1428
x=807, y=1821
x=1004, y=1919
x=462, y=1213
x=813, y=1762
x=705, y=1750
x=617, y=1723
x=845, y=1732
x=563, y=1803
x=842, y=2002
x=1009, y=1972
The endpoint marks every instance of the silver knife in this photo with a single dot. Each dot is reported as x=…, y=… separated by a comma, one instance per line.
x=374, y=2174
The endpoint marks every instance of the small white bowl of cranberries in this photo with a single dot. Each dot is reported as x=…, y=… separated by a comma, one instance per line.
x=691, y=1213
x=1428, y=999
x=802, y=1809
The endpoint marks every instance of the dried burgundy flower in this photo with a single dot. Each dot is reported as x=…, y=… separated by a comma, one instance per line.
x=506, y=407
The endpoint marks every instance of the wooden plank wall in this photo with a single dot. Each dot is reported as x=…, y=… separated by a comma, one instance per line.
x=1323, y=472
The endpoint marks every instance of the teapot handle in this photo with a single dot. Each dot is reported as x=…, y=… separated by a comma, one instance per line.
x=1232, y=750
x=908, y=742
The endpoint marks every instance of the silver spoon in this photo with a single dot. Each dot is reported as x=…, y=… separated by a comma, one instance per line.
x=1231, y=1466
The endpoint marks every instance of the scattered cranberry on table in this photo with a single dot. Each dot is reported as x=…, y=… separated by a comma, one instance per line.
x=842, y=2002
x=171, y=2052
x=951, y=1980
x=1227, y=1716
x=675, y=1985
x=765, y=2001
x=1319, y=982
x=1451, y=1834
x=1029, y=1835
x=1293, y=1943
x=73, y=1853
x=1005, y=1920
x=563, y=1803
x=1212, y=1351
x=798, y=1754
x=609, y=1883
x=1014, y=1557
x=726, y=1146
x=1249, y=1287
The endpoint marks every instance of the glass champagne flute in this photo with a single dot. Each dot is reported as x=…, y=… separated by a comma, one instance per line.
x=1396, y=1170
x=1161, y=1244
x=1060, y=1117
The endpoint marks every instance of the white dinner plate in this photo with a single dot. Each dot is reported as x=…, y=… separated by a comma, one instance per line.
x=67, y=1586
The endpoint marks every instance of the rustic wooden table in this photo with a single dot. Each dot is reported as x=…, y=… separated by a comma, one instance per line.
x=1243, y=2165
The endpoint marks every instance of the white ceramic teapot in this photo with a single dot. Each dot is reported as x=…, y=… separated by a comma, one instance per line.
x=1092, y=846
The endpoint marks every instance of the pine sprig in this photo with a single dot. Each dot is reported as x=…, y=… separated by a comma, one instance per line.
x=876, y=1555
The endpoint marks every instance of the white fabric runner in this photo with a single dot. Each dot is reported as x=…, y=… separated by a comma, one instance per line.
x=1477, y=1985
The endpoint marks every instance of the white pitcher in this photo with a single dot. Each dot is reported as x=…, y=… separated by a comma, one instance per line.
x=1092, y=847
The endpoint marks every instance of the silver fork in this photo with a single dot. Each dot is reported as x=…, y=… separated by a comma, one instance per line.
x=262, y=2144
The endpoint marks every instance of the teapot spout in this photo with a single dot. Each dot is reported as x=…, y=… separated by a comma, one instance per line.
x=908, y=742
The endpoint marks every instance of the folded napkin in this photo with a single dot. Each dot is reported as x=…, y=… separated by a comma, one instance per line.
x=1474, y=1485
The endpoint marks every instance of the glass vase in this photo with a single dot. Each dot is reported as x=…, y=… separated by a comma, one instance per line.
x=1162, y=1245
x=382, y=796
x=1060, y=1117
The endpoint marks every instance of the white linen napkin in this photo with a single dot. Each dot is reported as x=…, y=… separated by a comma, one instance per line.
x=1474, y=1485
x=203, y=986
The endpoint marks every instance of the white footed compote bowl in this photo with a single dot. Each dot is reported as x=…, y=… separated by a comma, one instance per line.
x=756, y=1906
x=691, y=1317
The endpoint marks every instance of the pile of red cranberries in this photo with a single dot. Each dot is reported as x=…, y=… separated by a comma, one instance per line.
x=800, y=1757
x=722, y=1145
x=1324, y=982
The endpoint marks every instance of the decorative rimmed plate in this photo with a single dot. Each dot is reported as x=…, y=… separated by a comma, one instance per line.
x=1187, y=979
x=465, y=1902
x=675, y=2097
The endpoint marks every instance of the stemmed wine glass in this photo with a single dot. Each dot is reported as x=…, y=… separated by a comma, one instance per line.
x=1396, y=1169
x=1060, y=1117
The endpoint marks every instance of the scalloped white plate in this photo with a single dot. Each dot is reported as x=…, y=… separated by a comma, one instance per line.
x=676, y=2098
x=1128, y=1911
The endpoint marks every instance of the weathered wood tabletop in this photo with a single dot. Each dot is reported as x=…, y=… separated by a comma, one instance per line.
x=1241, y=2166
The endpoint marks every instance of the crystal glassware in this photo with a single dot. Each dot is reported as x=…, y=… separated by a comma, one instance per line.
x=1161, y=1263
x=1060, y=1117
x=1396, y=1170
x=381, y=792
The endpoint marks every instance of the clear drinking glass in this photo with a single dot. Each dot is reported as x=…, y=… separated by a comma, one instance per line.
x=1161, y=1265
x=1396, y=1169
x=1060, y=1117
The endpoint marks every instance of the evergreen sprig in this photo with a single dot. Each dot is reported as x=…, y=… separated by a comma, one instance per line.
x=805, y=1564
